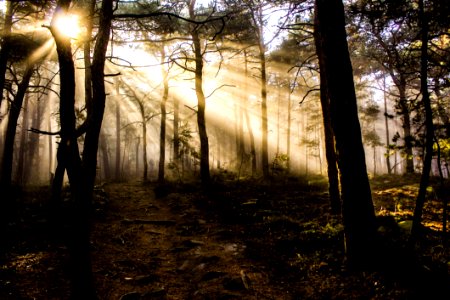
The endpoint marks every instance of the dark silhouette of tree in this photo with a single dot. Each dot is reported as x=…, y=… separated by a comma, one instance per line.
x=5, y=45
x=358, y=211
x=165, y=96
x=308, y=59
x=25, y=64
x=429, y=139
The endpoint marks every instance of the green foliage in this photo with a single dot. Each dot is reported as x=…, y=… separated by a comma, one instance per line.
x=444, y=147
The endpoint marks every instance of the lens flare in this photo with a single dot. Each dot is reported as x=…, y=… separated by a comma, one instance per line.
x=67, y=25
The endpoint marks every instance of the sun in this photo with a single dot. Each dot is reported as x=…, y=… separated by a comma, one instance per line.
x=68, y=25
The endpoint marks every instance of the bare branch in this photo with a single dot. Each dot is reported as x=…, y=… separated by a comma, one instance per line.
x=38, y=131
x=307, y=94
x=223, y=85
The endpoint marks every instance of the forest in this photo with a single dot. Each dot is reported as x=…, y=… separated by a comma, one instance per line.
x=221, y=149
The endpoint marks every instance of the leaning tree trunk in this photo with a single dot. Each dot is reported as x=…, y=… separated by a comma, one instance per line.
x=8, y=147
x=358, y=210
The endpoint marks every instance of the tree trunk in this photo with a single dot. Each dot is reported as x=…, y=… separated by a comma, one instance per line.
x=33, y=160
x=247, y=119
x=138, y=144
x=176, y=135
x=264, y=120
x=424, y=180
x=14, y=112
x=144, y=151
x=406, y=118
x=81, y=183
x=162, y=134
x=5, y=47
x=99, y=96
x=386, y=125
x=358, y=210
x=105, y=156
x=330, y=151
x=23, y=141
x=201, y=119
x=117, y=169
x=289, y=122
x=50, y=151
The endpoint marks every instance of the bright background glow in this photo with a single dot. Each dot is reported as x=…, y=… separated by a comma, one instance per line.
x=68, y=25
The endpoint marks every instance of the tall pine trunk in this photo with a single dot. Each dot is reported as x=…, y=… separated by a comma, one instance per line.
x=5, y=45
x=358, y=211
x=201, y=110
x=117, y=165
x=386, y=125
x=23, y=141
x=162, y=132
x=264, y=120
x=424, y=180
x=247, y=119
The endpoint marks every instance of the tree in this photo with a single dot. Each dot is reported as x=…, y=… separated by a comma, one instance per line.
x=357, y=207
x=162, y=136
x=429, y=139
x=389, y=45
x=16, y=107
x=306, y=59
x=25, y=64
x=369, y=116
x=201, y=121
x=5, y=45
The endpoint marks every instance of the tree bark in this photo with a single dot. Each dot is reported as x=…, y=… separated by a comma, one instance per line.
x=176, y=134
x=358, y=210
x=23, y=141
x=264, y=120
x=289, y=124
x=99, y=96
x=81, y=174
x=247, y=119
x=144, y=149
x=201, y=118
x=386, y=124
x=162, y=134
x=8, y=147
x=330, y=150
x=117, y=166
x=105, y=157
x=406, y=118
x=5, y=47
x=424, y=180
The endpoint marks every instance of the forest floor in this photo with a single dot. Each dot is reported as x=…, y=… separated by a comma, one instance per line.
x=242, y=240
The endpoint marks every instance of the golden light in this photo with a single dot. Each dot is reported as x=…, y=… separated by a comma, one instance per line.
x=67, y=25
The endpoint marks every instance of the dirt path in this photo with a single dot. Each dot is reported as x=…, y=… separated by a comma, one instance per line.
x=148, y=248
